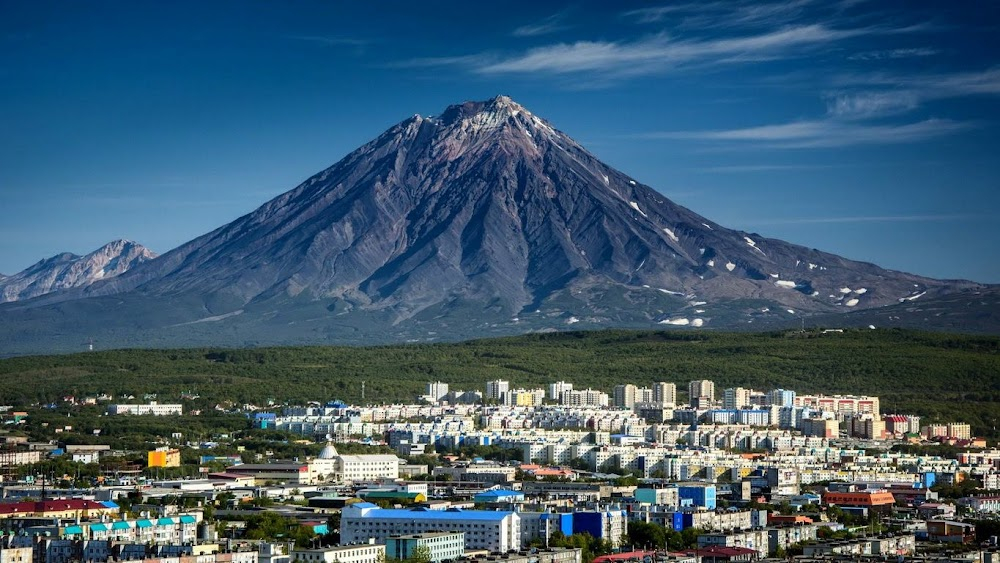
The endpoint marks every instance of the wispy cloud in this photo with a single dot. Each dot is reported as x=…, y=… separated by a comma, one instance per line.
x=821, y=133
x=932, y=86
x=722, y=15
x=551, y=24
x=866, y=105
x=899, y=94
x=656, y=14
x=660, y=52
x=471, y=61
x=888, y=54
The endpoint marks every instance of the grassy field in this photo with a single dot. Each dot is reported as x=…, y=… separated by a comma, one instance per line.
x=942, y=377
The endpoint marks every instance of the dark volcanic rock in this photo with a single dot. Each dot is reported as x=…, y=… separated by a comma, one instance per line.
x=490, y=207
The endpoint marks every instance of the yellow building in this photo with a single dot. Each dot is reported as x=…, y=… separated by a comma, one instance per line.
x=163, y=458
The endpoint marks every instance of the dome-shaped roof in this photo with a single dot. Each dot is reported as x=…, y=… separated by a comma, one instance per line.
x=329, y=452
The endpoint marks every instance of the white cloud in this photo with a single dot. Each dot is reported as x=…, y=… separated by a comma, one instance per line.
x=717, y=15
x=822, y=133
x=899, y=94
x=871, y=104
x=660, y=52
x=548, y=25
x=893, y=54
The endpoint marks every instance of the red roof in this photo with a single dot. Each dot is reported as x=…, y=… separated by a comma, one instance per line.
x=627, y=556
x=56, y=505
x=723, y=551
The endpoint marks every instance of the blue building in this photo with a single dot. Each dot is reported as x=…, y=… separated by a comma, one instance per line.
x=608, y=525
x=701, y=495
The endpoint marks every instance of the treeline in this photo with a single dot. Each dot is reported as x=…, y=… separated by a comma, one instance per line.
x=940, y=376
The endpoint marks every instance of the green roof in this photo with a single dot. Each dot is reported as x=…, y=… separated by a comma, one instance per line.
x=188, y=519
x=143, y=524
x=120, y=525
x=98, y=528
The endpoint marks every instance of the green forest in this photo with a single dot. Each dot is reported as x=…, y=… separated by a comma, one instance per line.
x=942, y=377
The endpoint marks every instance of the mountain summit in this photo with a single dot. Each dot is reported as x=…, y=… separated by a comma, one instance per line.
x=67, y=270
x=487, y=216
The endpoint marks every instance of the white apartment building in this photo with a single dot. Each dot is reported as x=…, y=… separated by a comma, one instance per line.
x=557, y=389
x=365, y=553
x=585, y=398
x=700, y=388
x=436, y=390
x=840, y=404
x=665, y=393
x=494, y=531
x=152, y=408
x=497, y=390
x=735, y=398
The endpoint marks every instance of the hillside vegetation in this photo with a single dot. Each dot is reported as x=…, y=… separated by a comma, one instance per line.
x=939, y=376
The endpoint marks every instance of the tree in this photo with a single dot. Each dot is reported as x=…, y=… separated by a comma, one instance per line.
x=644, y=534
x=420, y=554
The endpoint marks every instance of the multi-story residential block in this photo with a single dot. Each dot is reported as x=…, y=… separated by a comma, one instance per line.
x=736, y=398
x=153, y=408
x=365, y=553
x=495, y=531
x=765, y=541
x=439, y=546
x=497, y=390
x=557, y=389
x=665, y=393
x=840, y=404
x=899, y=424
x=526, y=397
x=486, y=472
x=701, y=393
x=163, y=457
x=609, y=524
x=436, y=391
x=624, y=395
x=959, y=431
x=781, y=398
x=585, y=398
x=821, y=427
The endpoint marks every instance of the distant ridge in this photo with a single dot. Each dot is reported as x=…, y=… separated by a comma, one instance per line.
x=67, y=270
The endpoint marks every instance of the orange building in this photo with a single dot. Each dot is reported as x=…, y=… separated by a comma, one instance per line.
x=163, y=458
x=860, y=499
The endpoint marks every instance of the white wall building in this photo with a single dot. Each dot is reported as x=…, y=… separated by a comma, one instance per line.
x=495, y=531
x=152, y=408
x=366, y=553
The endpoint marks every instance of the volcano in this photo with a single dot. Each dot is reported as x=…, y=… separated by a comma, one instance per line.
x=485, y=219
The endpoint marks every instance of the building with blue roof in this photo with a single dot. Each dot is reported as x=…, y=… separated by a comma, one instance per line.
x=494, y=531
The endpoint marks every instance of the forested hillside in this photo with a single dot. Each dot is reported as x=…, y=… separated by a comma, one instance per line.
x=939, y=376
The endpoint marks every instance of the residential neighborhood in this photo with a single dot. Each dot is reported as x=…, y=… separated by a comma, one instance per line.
x=511, y=474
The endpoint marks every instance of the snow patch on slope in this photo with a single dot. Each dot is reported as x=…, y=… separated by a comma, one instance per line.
x=636, y=207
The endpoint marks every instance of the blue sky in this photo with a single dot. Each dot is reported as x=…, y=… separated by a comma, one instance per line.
x=868, y=129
